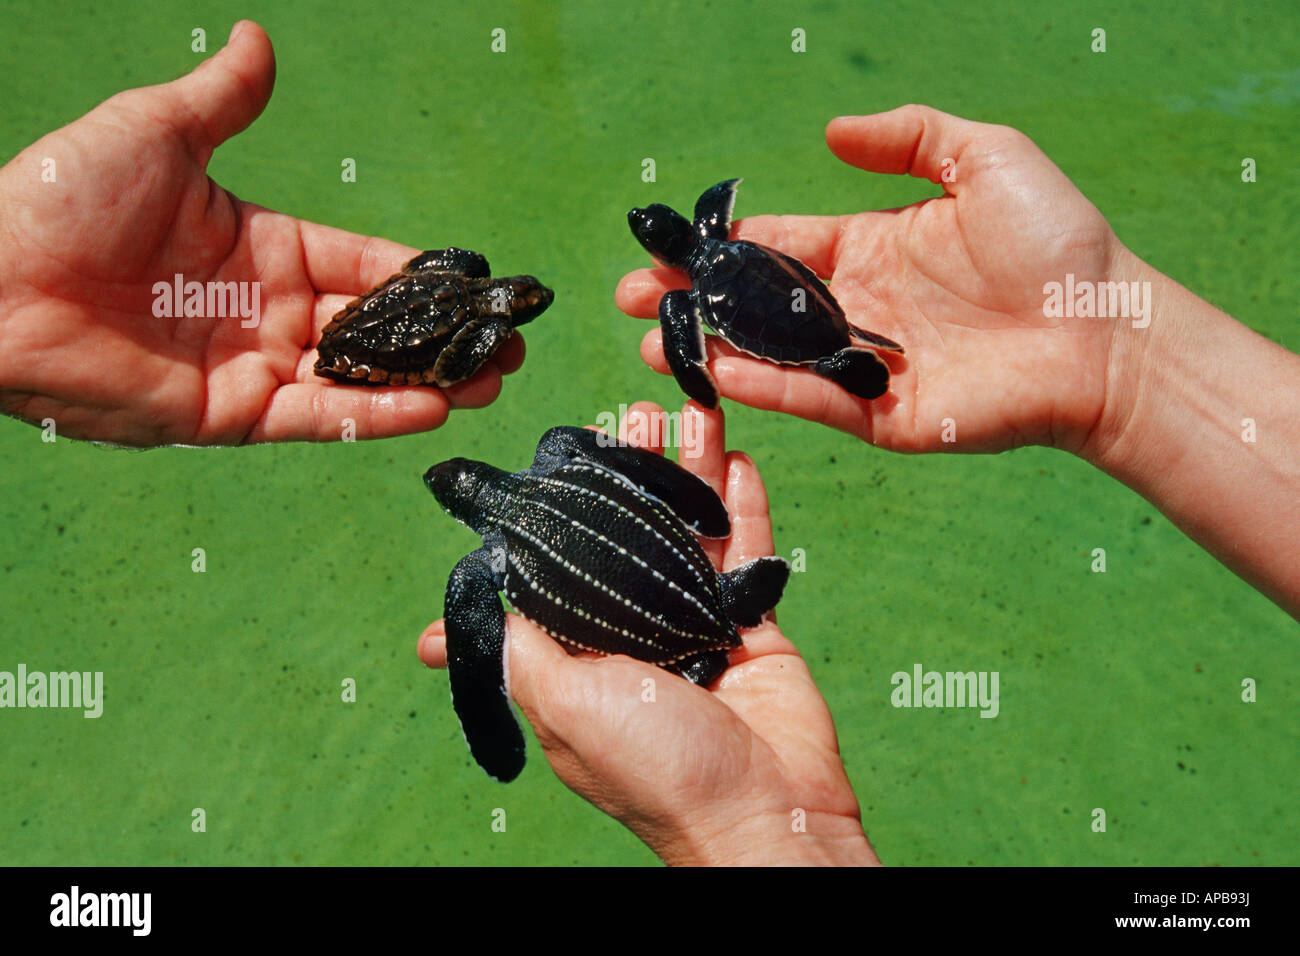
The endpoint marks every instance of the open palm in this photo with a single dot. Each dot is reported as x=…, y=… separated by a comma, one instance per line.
x=690, y=769
x=131, y=205
x=957, y=279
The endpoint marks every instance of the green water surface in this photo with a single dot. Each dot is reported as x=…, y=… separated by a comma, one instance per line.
x=1118, y=690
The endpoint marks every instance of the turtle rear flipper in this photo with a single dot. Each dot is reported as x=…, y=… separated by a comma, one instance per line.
x=753, y=589
x=702, y=668
x=476, y=629
x=683, y=337
x=713, y=210
x=859, y=372
x=690, y=497
x=873, y=338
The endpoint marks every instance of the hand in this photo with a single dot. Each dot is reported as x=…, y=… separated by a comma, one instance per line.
x=958, y=280
x=133, y=205
x=701, y=776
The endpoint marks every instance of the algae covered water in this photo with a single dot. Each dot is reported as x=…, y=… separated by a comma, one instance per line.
x=221, y=690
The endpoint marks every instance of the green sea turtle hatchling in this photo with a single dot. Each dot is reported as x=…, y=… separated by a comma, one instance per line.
x=594, y=543
x=434, y=323
x=765, y=303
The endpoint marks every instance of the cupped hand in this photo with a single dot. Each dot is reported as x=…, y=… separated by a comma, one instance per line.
x=745, y=772
x=131, y=205
x=958, y=280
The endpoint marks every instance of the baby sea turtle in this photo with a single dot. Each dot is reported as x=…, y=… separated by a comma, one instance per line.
x=765, y=303
x=434, y=323
x=593, y=544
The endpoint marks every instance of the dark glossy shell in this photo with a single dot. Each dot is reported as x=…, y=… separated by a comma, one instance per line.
x=397, y=333
x=748, y=296
x=603, y=567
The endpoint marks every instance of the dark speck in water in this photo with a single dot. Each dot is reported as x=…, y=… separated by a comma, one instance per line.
x=859, y=60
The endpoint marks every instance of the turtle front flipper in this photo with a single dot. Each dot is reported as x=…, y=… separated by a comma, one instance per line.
x=859, y=372
x=469, y=349
x=689, y=496
x=476, y=630
x=683, y=332
x=459, y=261
x=713, y=210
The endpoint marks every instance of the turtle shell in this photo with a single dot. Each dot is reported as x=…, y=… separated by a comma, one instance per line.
x=434, y=323
x=767, y=303
x=603, y=567
x=397, y=331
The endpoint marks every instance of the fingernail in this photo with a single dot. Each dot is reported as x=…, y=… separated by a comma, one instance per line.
x=235, y=31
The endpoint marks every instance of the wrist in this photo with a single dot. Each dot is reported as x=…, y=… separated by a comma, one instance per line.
x=1087, y=364
x=1201, y=418
x=770, y=838
x=1135, y=348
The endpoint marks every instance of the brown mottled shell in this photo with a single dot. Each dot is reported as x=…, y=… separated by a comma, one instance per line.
x=434, y=323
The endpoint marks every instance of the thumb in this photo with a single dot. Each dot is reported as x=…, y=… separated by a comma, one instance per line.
x=917, y=140
x=225, y=93
x=537, y=664
x=540, y=674
x=550, y=687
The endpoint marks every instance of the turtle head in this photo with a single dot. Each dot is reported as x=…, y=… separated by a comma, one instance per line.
x=524, y=297
x=663, y=233
x=460, y=485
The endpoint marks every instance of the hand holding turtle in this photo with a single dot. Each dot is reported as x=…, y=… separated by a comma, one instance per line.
x=131, y=206
x=957, y=280
x=960, y=280
x=701, y=776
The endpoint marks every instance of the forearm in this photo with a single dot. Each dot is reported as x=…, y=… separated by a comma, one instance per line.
x=1202, y=418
